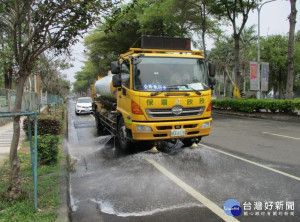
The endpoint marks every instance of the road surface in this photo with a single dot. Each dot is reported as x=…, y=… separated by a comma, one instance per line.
x=255, y=162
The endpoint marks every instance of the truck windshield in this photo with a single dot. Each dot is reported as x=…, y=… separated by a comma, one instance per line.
x=170, y=74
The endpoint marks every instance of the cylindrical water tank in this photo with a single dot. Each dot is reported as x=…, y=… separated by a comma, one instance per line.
x=105, y=88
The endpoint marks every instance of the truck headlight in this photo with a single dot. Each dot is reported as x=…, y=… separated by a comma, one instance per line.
x=206, y=125
x=141, y=128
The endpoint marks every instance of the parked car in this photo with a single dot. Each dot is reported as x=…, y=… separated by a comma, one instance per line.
x=83, y=105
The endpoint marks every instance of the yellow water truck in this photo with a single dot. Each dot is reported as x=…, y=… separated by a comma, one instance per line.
x=159, y=92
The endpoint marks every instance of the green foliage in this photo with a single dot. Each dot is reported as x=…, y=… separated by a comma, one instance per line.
x=7, y=63
x=230, y=10
x=274, y=50
x=66, y=19
x=113, y=37
x=47, y=149
x=297, y=64
x=46, y=125
x=223, y=55
x=87, y=76
x=52, y=80
x=254, y=105
x=155, y=21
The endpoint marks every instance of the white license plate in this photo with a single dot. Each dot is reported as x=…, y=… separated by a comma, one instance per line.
x=87, y=110
x=177, y=132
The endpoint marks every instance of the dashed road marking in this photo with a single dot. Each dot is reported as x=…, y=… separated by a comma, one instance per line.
x=273, y=134
x=254, y=163
x=198, y=196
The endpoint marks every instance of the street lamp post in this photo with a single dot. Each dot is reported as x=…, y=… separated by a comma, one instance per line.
x=258, y=49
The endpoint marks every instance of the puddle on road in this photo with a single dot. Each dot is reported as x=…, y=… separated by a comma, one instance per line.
x=117, y=177
x=119, y=182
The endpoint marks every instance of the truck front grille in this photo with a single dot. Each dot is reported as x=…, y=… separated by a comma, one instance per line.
x=167, y=112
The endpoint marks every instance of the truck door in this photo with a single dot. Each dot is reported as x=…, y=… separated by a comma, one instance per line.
x=124, y=101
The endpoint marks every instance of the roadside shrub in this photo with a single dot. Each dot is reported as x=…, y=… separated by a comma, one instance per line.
x=47, y=149
x=46, y=125
x=256, y=105
x=297, y=103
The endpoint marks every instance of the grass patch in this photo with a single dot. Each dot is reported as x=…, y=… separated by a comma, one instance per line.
x=48, y=191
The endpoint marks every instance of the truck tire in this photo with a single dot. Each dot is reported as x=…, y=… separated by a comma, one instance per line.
x=97, y=120
x=124, y=143
x=190, y=141
x=99, y=125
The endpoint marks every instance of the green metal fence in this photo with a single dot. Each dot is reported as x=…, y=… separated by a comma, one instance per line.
x=33, y=146
x=30, y=101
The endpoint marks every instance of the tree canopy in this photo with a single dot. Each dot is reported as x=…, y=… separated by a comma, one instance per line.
x=124, y=27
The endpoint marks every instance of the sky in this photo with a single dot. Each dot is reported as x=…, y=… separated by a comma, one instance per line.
x=273, y=21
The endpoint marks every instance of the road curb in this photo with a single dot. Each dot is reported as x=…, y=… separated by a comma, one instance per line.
x=268, y=116
x=64, y=195
x=63, y=210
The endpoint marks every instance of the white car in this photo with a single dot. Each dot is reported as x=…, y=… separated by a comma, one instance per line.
x=83, y=105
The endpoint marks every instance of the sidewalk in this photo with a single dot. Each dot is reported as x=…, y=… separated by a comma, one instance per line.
x=6, y=134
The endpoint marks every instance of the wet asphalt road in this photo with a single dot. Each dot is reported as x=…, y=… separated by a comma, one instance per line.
x=253, y=161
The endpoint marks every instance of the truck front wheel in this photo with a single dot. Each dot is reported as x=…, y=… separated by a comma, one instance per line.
x=124, y=143
x=189, y=142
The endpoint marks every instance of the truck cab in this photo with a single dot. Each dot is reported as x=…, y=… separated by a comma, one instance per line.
x=163, y=93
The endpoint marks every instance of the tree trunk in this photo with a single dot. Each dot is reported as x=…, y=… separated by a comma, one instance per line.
x=290, y=77
x=204, y=27
x=280, y=84
x=203, y=44
x=15, y=191
x=8, y=77
x=237, y=60
x=224, y=83
x=244, y=79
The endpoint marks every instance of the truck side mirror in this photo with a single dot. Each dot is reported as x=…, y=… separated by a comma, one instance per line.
x=115, y=67
x=117, y=81
x=211, y=69
x=212, y=82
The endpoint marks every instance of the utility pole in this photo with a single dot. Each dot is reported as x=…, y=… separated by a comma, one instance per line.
x=258, y=95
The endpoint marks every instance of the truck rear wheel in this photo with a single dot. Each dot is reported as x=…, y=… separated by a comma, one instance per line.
x=98, y=123
x=124, y=143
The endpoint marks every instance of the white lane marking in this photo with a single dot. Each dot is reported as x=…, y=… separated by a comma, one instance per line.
x=254, y=163
x=273, y=134
x=92, y=116
x=202, y=199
